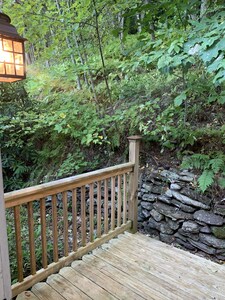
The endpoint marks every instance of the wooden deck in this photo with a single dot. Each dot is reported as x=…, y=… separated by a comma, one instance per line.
x=134, y=267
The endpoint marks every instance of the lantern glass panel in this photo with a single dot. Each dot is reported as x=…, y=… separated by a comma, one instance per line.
x=7, y=45
x=18, y=47
x=10, y=69
x=19, y=70
x=19, y=59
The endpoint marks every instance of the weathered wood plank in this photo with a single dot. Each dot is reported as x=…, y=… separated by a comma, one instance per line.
x=112, y=203
x=99, y=219
x=55, y=229
x=74, y=216
x=40, y=191
x=65, y=224
x=112, y=279
x=106, y=207
x=43, y=233
x=164, y=269
x=43, y=292
x=90, y=288
x=83, y=217
x=31, y=238
x=27, y=295
x=62, y=286
x=91, y=211
x=19, y=252
x=119, y=201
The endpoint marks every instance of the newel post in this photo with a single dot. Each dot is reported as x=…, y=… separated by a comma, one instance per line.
x=5, y=281
x=134, y=146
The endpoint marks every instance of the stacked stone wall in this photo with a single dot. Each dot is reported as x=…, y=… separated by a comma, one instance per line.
x=171, y=208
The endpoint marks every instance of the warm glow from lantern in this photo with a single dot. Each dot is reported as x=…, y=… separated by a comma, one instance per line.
x=12, y=56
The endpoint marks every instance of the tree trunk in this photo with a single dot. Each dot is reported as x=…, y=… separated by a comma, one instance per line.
x=79, y=85
x=203, y=9
x=121, y=26
x=100, y=50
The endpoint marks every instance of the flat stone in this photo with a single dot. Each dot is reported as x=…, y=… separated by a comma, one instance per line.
x=191, y=227
x=164, y=228
x=166, y=238
x=208, y=217
x=186, y=178
x=149, y=197
x=170, y=175
x=158, y=189
x=193, y=194
x=146, y=213
x=220, y=210
x=188, y=201
x=185, y=244
x=141, y=217
x=203, y=247
x=205, y=229
x=183, y=207
x=173, y=224
x=153, y=224
x=218, y=232
x=171, y=212
x=220, y=257
x=186, y=173
x=147, y=187
x=175, y=187
x=211, y=240
x=181, y=237
x=193, y=236
x=169, y=193
x=156, y=215
x=146, y=205
x=164, y=199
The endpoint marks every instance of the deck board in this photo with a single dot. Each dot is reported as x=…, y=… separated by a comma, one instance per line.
x=135, y=267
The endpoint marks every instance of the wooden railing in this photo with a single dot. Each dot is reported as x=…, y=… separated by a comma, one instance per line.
x=70, y=217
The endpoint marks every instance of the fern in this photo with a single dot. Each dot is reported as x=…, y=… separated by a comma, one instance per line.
x=206, y=180
x=210, y=165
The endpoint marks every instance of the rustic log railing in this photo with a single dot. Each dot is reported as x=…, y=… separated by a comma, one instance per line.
x=75, y=215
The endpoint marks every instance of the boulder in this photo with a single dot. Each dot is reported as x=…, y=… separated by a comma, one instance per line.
x=147, y=187
x=146, y=213
x=208, y=217
x=153, y=224
x=164, y=199
x=173, y=224
x=186, y=200
x=193, y=236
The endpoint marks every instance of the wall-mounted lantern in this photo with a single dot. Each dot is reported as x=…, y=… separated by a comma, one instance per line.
x=12, y=54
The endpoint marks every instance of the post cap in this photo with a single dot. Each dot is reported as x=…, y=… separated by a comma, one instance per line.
x=134, y=137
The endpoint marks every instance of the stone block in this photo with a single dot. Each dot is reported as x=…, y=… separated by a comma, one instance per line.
x=208, y=217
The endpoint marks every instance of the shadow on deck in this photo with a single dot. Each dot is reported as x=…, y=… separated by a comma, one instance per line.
x=134, y=267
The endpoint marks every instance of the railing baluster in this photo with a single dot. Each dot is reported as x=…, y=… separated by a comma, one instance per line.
x=65, y=224
x=43, y=233
x=19, y=252
x=91, y=211
x=113, y=203
x=83, y=216
x=99, y=196
x=74, y=216
x=31, y=237
x=106, y=206
x=124, y=198
x=119, y=202
x=55, y=229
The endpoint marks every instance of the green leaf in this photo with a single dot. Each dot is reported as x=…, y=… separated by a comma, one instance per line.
x=206, y=179
x=179, y=99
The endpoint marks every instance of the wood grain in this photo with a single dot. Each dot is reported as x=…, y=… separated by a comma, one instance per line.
x=43, y=233
x=19, y=252
x=55, y=229
x=31, y=238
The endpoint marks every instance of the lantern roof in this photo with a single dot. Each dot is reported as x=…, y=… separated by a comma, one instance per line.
x=7, y=29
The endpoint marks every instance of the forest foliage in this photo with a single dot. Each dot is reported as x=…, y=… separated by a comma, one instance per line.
x=101, y=70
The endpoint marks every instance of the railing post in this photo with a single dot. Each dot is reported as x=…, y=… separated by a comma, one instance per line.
x=134, y=145
x=5, y=281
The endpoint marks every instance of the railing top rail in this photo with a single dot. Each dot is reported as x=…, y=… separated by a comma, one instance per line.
x=39, y=191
